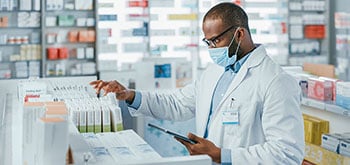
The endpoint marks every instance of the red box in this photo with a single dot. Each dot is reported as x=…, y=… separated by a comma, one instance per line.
x=52, y=53
x=315, y=31
x=63, y=53
x=138, y=3
x=319, y=89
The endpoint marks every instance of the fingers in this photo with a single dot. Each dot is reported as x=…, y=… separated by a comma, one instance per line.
x=194, y=137
x=186, y=144
x=99, y=86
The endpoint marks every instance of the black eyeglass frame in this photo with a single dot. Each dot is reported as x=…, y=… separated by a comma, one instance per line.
x=211, y=42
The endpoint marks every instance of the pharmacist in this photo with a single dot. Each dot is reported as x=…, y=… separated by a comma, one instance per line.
x=247, y=108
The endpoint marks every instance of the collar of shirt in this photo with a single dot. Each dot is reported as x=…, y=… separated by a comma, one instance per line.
x=237, y=65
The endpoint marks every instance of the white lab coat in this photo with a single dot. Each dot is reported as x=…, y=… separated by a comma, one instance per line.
x=268, y=101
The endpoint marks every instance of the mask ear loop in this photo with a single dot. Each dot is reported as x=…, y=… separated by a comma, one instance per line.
x=234, y=35
x=239, y=43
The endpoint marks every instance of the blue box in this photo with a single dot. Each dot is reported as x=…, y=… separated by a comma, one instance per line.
x=343, y=101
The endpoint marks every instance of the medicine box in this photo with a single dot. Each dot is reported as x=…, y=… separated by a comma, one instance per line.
x=314, y=128
x=344, y=147
x=343, y=94
x=52, y=141
x=333, y=83
x=331, y=142
x=319, y=89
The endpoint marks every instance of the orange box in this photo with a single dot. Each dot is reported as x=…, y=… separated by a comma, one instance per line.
x=83, y=36
x=91, y=36
x=52, y=53
x=315, y=31
x=319, y=89
x=62, y=53
x=73, y=36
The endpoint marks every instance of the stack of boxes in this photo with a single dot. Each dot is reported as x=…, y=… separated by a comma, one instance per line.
x=314, y=128
x=338, y=143
x=45, y=133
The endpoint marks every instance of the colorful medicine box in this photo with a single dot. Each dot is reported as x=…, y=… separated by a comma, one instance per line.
x=319, y=89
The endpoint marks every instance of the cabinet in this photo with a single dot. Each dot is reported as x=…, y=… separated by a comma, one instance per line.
x=20, y=41
x=308, y=24
x=47, y=38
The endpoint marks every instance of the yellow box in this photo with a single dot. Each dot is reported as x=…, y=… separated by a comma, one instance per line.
x=315, y=127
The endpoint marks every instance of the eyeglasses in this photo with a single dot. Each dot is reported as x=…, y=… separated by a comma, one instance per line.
x=213, y=41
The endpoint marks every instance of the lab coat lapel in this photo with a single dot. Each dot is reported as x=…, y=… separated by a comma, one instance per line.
x=207, y=90
x=254, y=59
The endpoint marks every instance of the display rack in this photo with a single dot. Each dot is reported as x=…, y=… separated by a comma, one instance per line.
x=20, y=51
x=326, y=107
x=69, y=38
x=47, y=38
x=309, y=32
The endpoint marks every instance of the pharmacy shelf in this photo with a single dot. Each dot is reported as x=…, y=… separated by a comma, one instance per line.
x=71, y=43
x=60, y=30
x=14, y=44
x=70, y=27
x=65, y=11
x=16, y=27
x=16, y=11
x=324, y=106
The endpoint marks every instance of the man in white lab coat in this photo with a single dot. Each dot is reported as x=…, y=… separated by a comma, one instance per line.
x=247, y=108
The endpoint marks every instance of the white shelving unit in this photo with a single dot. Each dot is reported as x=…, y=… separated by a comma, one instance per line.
x=29, y=29
x=309, y=31
x=338, y=117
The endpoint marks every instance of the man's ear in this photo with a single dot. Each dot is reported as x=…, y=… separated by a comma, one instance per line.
x=240, y=33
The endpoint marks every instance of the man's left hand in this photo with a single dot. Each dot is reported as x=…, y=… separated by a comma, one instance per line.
x=203, y=146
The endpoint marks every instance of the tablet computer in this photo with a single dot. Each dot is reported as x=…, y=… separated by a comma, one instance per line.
x=173, y=133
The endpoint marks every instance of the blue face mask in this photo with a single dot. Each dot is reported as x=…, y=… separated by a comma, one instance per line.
x=220, y=55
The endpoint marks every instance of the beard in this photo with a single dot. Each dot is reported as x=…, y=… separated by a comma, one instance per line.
x=233, y=48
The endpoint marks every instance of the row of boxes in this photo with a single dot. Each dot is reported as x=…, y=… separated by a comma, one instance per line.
x=27, y=52
x=28, y=19
x=54, y=53
x=82, y=36
x=86, y=68
x=314, y=128
x=72, y=36
x=326, y=89
x=338, y=143
x=69, y=21
x=57, y=53
x=77, y=5
x=24, y=69
x=55, y=69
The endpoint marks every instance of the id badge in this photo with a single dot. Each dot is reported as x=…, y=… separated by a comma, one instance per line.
x=230, y=116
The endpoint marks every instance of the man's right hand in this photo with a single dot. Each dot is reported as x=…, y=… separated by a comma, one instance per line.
x=120, y=91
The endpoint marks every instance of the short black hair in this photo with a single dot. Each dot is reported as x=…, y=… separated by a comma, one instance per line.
x=230, y=14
